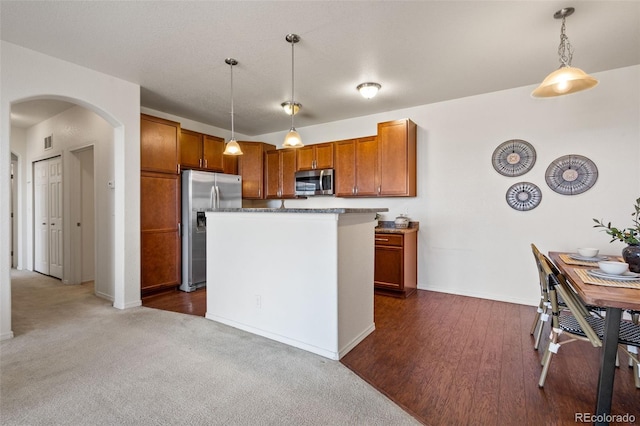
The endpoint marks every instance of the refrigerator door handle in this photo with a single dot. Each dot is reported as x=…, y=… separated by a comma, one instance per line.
x=212, y=199
x=217, y=197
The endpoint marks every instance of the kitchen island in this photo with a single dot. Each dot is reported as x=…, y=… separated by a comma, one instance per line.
x=303, y=277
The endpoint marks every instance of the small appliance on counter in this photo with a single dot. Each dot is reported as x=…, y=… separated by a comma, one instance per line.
x=401, y=222
x=201, y=191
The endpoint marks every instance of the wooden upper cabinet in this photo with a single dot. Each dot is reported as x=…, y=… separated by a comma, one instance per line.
x=159, y=148
x=190, y=149
x=366, y=156
x=251, y=168
x=319, y=156
x=345, y=168
x=203, y=152
x=356, y=163
x=279, y=172
x=397, y=158
x=212, y=149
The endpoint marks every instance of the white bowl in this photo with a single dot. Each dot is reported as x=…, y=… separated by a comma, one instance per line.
x=613, y=268
x=588, y=252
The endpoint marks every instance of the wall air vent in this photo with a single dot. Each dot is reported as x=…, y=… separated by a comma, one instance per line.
x=48, y=142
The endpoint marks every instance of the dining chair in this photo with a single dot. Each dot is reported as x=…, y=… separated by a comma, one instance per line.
x=541, y=316
x=544, y=307
x=578, y=323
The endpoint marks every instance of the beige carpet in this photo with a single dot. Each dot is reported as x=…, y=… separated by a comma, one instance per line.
x=76, y=360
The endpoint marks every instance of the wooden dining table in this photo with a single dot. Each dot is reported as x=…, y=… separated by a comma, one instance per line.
x=614, y=300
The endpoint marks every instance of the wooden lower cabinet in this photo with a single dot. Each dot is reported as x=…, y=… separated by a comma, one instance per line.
x=396, y=264
x=160, y=236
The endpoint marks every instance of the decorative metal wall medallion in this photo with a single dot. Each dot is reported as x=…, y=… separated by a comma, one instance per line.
x=571, y=174
x=514, y=157
x=523, y=196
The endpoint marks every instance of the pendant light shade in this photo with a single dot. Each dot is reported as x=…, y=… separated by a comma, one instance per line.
x=293, y=139
x=563, y=81
x=232, y=147
x=566, y=79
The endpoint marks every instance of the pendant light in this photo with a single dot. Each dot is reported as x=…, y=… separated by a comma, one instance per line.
x=292, y=140
x=566, y=79
x=232, y=147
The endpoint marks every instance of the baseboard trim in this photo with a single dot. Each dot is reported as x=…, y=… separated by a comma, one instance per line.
x=128, y=305
x=6, y=336
x=499, y=298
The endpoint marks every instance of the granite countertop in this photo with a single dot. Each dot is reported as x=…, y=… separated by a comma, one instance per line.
x=388, y=227
x=338, y=210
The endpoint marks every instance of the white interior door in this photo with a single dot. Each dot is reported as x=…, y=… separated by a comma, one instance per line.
x=48, y=217
x=55, y=217
x=41, y=217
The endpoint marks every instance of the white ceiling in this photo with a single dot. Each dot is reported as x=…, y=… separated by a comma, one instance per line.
x=420, y=51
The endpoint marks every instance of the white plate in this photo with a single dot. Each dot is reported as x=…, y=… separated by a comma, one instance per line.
x=627, y=276
x=576, y=256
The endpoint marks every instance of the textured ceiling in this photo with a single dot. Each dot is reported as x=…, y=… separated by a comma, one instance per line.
x=420, y=51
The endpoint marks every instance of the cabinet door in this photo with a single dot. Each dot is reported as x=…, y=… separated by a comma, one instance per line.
x=366, y=156
x=159, y=150
x=190, y=149
x=397, y=158
x=345, y=168
x=212, y=149
x=251, y=167
x=272, y=174
x=288, y=159
x=324, y=156
x=388, y=267
x=230, y=164
x=305, y=157
x=160, y=239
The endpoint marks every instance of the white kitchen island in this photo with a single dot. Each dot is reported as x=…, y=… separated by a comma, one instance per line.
x=303, y=277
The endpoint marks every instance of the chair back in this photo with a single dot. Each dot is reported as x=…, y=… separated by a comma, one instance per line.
x=558, y=286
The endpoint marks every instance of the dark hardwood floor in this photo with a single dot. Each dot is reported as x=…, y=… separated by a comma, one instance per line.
x=455, y=360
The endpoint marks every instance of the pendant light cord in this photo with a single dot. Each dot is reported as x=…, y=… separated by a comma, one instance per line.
x=232, y=123
x=292, y=81
x=565, y=50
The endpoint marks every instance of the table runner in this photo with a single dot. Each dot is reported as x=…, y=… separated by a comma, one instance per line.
x=586, y=278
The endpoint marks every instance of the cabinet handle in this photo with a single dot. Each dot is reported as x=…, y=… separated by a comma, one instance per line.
x=378, y=189
x=200, y=162
x=178, y=168
x=206, y=163
x=381, y=239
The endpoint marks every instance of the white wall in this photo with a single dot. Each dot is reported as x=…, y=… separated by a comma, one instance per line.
x=71, y=130
x=18, y=146
x=88, y=214
x=26, y=75
x=471, y=242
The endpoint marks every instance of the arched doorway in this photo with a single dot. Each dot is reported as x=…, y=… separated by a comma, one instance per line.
x=29, y=75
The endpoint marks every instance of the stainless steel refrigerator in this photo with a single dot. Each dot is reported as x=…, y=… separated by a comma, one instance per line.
x=201, y=191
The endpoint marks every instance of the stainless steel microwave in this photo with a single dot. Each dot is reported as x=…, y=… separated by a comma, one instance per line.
x=314, y=182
